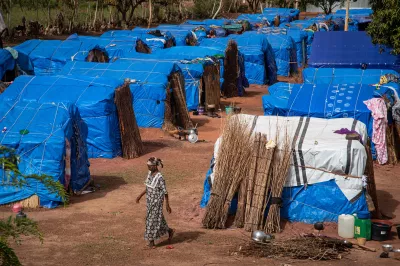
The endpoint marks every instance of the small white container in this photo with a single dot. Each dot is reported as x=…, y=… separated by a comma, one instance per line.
x=346, y=226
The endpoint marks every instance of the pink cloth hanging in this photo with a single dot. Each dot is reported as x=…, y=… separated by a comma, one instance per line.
x=379, y=112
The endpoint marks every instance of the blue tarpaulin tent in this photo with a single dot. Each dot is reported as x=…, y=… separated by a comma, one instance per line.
x=311, y=193
x=93, y=96
x=195, y=52
x=49, y=56
x=7, y=62
x=350, y=50
x=284, y=50
x=192, y=73
x=259, y=61
x=149, y=83
x=39, y=133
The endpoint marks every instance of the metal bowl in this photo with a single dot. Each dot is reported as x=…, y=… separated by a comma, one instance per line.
x=396, y=254
x=387, y=248
x=258, y=236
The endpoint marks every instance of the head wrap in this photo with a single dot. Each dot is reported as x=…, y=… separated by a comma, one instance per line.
x=153, y=161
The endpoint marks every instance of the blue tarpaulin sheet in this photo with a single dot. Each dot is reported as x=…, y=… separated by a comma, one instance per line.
x=350, y=50
x=149, y=83
x=7, y=62
x=38, y=133
x=344, y=75
x=94, y=98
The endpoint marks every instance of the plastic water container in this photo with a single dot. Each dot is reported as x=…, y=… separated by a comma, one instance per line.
x=362, y=225
x=346, y=226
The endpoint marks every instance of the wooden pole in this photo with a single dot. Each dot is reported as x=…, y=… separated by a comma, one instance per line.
x=95, y=14
x=150, y=14
x=346, y=25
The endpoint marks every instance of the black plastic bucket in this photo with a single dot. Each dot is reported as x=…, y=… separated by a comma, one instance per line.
x=380, y=232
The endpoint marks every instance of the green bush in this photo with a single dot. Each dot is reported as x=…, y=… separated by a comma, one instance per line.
x=203, y=8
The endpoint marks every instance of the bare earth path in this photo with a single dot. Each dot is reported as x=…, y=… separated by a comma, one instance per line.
x=106, y=227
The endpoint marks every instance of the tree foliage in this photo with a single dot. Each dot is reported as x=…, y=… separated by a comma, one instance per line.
x=13, y=228
x=327, y=5
x=385, y=26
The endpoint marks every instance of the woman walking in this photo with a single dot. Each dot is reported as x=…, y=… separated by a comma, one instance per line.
x=155, y=191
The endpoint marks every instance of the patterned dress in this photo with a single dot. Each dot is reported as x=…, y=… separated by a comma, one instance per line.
x=156, y=226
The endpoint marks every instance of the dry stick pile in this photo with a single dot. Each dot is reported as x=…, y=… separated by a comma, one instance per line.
x=231, y=70
x=302, y=248
x=260, y=176
x=132, y=146
x=141, y=47
x=179, y=101
x=232, y=165
x=279, y=173
x=211, y=82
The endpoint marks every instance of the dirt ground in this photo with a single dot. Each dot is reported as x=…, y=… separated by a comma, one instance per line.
x=106, y=227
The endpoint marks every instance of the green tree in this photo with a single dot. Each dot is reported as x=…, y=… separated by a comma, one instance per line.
x=13, y=228
x=385, y=26
x=327, y=5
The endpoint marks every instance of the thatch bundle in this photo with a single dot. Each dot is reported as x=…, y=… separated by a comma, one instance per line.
x=141, y=47
x=232, y=166
x=132, y=146
x=211, y=85
x=257, y=168
x=178, y=107
x=280, y=168
x=168, y=116
x=98, y=56
x=231, y=70
x=259, y=182
x=29, y=203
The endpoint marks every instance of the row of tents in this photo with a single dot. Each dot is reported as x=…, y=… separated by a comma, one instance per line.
x=170, y=70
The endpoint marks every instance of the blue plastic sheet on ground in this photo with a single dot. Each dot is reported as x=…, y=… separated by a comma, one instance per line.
x=93, y=96
x=149, y=83
x=350, y=50
x=7, y=62
x=42, y=147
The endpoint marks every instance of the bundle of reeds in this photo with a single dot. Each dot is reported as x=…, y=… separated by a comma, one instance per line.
x=132, y=146
x=212, y=87
x=97, y=55
x=29, y=203
x=280, y=170
x=141, y=47
x=231, y=70
x=168, y=117
x=178, y=101
x=263, y=155
x=232, y=165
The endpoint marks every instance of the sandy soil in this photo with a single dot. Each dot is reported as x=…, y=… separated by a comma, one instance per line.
x=106, y=227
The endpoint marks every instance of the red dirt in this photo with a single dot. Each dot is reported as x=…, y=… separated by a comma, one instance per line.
x=106, y=227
